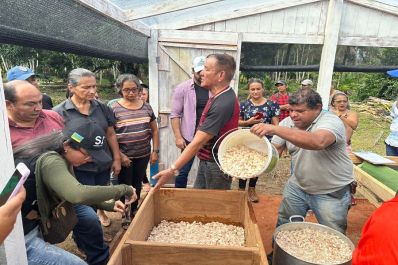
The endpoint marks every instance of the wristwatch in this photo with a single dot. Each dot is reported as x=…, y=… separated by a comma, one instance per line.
x=173, y=168
x=155, y=151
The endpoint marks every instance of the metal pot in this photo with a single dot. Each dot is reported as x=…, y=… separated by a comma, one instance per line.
x=281, y=257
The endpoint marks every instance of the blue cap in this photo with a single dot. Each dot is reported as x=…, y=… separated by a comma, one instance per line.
x=19, y=73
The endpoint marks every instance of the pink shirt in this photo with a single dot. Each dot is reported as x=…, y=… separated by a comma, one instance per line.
x=183, y=106
x=47, y=122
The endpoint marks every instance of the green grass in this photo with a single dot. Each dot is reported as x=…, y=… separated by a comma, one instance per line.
x=367, y=135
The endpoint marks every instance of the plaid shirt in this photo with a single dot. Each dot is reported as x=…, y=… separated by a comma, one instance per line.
x=281, y=100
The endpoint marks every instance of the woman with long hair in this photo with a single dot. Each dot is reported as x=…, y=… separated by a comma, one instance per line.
x=51, y=159
x=256, y=109
x=135, y=128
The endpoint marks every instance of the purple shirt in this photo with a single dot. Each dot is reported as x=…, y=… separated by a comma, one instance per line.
x=183, y=106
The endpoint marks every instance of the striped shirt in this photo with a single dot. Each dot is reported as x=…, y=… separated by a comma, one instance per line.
x=133, y=129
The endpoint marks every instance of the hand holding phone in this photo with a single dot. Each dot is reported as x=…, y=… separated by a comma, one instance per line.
x=258, y=115
x=15, y=183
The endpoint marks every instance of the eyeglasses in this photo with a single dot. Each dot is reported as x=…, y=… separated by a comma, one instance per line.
x=130, y=90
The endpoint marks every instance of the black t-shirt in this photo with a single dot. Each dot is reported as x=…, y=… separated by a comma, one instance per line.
x=202, y=96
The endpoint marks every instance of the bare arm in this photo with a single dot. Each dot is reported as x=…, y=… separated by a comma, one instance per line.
x=275, y=120
x=175, y=125
x=190, y=151
x=114, y=146
x=284, y=107
x=155, y=141
x=350, y=119
x=9, y=212
x=317, y=140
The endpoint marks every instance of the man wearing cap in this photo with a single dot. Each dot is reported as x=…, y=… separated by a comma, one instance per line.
x=188, y=102
x=26, y=118
x=307, y=83
x=282, y=98
x=220, y=116
x=24, y=73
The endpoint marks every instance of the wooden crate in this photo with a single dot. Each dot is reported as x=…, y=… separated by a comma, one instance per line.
x=229, y=207
x=372, y=189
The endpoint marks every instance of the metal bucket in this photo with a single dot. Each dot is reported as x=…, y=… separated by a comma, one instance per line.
x=244, y=136
x=281, y=257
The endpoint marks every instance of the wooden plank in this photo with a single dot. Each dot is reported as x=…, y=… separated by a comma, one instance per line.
x=198, y=37
x=369, y=41
x=348, y=20
x=387, y=26
x=153, y=71
x=200, y=46
x=372, y=184
x=237, y=59
x=266, y=22
x=139, y=229
x=176, y=254
x=165, y=6
x=288, y=21
x=300, y=24
x=176, y=60
x=323, y=16
x=191, y=204
x=254, y=24
x=277, y=17
x=376, y=5
x=222, y=11
x=370, y=196
x=313, y=18
x=282, y=38
x=332, y=29
x=219, y=26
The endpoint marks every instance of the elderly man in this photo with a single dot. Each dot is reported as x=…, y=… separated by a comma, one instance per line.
x=220, y=115
x=307, y=83
x=26, y=117
x=188, y=102
x=24, y=73
x=322, y=171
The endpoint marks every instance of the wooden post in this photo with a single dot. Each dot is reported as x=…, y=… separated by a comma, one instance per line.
x=153, y=71
x=14, y=245
x=332, y=29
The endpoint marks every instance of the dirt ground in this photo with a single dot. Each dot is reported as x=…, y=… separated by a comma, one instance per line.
x=270, y=188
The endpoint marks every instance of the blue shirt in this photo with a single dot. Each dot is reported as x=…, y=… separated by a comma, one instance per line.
x=392, y=139
x=269, y=109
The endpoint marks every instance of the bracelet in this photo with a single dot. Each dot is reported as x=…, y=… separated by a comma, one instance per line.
x=155, y=151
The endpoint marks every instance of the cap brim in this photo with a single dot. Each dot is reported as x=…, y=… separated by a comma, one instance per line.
x=279, y=84
x=25, y=76
x=198, y=69
x=100, y=156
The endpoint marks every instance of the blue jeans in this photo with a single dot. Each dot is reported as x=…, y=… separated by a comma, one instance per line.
x=329, y=210
x=210, y=176
x=88, y=233
x=182, y=178
x=41, y=253
x=391, y=150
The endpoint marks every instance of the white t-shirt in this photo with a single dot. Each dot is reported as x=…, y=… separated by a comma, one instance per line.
x=320, y=171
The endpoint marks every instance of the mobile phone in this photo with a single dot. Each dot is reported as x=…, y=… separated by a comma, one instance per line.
x=259, y=115
x=15, y=183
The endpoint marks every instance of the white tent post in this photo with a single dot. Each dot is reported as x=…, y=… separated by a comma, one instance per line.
x=14, y=244
x=332, y=29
